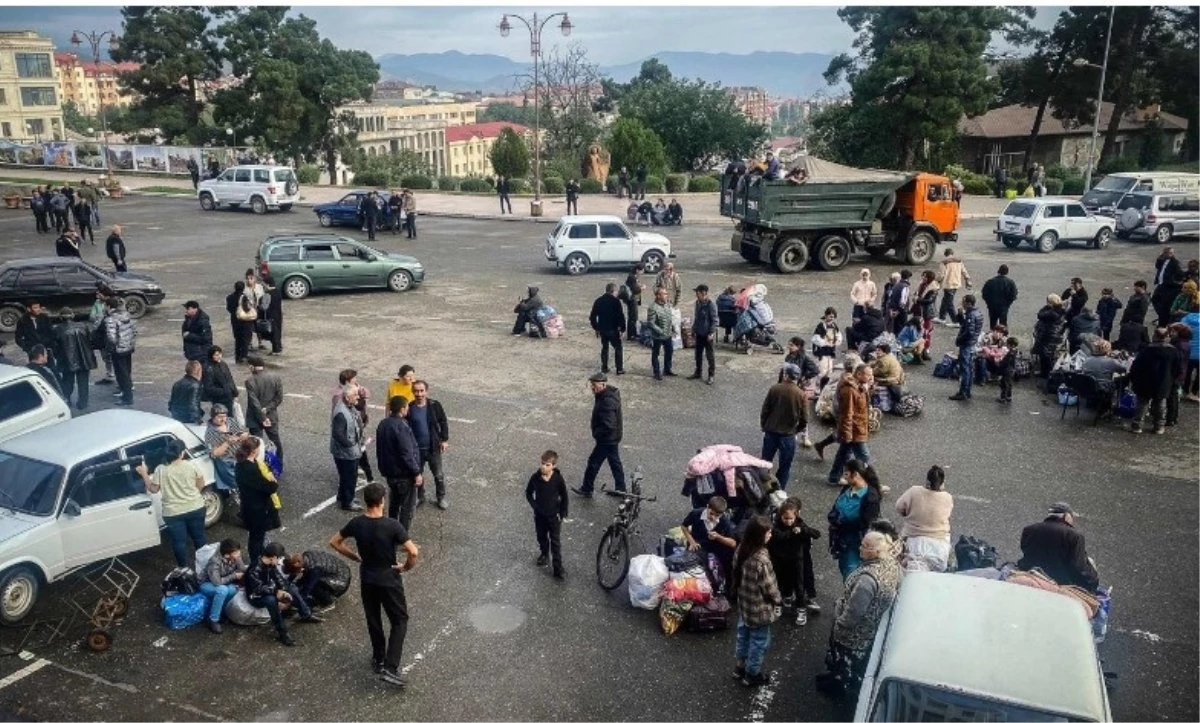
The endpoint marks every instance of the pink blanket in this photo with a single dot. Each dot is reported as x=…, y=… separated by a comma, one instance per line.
x=724, y=457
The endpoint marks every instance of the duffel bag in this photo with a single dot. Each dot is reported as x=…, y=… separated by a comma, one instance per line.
x=184, y=610
x=712, y=615
x=181, y=581
x=910, y=405
x=333, y=570
x=973, y=553
x=947, y=368
x=683, y=560
x=241, y=612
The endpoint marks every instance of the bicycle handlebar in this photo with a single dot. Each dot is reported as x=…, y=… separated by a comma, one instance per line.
x=618, y=493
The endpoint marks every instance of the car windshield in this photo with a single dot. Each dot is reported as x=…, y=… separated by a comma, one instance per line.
x=27, y=485
x=1141, y=202
x=1116, y=183
x=1020, y=209
x=557, y=230
x=903, y=701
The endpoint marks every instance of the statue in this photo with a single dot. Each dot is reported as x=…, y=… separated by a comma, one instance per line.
x=597, y=163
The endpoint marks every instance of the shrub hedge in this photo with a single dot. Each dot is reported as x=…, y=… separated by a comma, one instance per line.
x=417, y=183
x=447, y=183
x=703, y=184
x=590, y=185
x=308, y=173
x=677, y=183
x=474, y=185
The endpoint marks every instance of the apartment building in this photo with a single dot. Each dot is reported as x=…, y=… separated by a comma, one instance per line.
x=470, y=147
x=91, y=86
x=30, y=106
x=754, y=102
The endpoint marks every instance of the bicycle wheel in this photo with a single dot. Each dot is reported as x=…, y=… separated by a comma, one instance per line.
x=612, y=558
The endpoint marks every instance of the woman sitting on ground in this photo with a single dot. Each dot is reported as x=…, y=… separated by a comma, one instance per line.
x=925, y=515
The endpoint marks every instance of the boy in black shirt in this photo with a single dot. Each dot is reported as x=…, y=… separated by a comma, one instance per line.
x=376, y=537
x=547, y=495
x=1008, y=367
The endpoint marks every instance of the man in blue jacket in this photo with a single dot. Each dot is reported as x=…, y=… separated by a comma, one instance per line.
x=970, y=322
x=399, y=461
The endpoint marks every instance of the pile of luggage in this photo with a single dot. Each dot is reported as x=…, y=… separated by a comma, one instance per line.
x=551, y=320
x=688, y=590
x=745, y=481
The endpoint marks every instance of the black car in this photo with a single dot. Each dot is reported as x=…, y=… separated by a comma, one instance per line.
x=58, y=282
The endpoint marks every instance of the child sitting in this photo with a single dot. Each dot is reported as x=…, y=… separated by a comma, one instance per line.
x=912, y=342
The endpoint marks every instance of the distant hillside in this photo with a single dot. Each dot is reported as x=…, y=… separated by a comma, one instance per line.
x=789, y=74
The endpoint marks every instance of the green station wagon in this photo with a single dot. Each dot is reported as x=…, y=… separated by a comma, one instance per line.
x=303, y=263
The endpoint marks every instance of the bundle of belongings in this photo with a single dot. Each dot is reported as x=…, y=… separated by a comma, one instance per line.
x=551, y=320
x=745, y=481
x=755, y=318
x=693, y=594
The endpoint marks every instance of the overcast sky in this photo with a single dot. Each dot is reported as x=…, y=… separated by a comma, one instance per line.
x=612, y=35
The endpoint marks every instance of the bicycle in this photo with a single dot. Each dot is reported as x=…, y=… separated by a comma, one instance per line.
x=612, y=556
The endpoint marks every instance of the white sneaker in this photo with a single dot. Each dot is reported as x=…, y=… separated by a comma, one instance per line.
x=801, y=617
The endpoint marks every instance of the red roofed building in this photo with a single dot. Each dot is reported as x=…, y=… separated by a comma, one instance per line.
x=90, y=85
x=469, y=147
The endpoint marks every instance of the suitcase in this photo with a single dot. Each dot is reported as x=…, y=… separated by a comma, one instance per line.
x=709, y=617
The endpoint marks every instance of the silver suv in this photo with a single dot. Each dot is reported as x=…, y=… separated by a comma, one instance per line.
x=260, y=187
x=1158, y=216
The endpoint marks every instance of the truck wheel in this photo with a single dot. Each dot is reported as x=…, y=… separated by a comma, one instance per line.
x=791, y=257
x=18, y=594
x=920, y=249
x=833, y=252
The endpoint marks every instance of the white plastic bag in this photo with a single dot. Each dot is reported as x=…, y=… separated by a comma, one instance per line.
x=239, y=414
x=647, y=575
x=241, y=612
x=203, y=555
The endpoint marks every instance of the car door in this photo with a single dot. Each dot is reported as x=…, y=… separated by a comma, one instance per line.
x=106, y=512
x=225, y=185
x=153, y=452
x=356, y=271
x=39, y=283
x=346, y=212
x=616, y=244
x=78, y=287
x=1082, y=226
x=1054, y=218
x=319, y=262
x=583, y=237
x=240, y=188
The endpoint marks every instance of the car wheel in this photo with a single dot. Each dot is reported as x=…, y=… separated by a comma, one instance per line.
x=920, y=248
x=791, y=257
x=285, y=207
x=258, y=205
x=207, y=203
x=136, y=306
x=10, y=316
x=1102, y=238
x=1163, y=234
x=18, y=594
x=214, y=506
x=400, y=280
x=296, y=287
x=1011, y=241
x=1047, y=241
x=652, y=262
x=325, y=220
x=577, y=264
x=833, y=252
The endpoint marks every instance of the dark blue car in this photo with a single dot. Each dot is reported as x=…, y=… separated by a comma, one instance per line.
x=345, y=211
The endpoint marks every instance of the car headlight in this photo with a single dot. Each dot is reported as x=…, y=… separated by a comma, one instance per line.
x=153, y=287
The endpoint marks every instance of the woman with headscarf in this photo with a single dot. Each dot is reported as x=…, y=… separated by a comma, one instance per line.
x=925, y=519
x=855, y=508
x=1048, y=333
x=869, y=592
x=1187, y=302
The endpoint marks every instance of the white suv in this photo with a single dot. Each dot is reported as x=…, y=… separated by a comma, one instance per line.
x=27, y=402
x=262, y=187
x=578, y=243
x=1044, y=223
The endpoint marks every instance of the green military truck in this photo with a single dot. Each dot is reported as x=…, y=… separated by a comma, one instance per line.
x=828, y=212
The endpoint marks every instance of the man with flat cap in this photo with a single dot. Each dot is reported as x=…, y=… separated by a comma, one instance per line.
x=606, y=430
x=1055, y=546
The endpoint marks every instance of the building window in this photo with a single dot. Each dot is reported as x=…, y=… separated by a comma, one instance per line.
x=6, y=130
x=3, y=97
x=38, y=97
x=37, y=126
x=34, y=65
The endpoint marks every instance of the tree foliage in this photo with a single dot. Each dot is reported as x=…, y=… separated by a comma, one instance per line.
x=178, y=52
x=917, y=72
x=386, y=170
x=632, y=144
x=508, y=113
x=566, y=88
x=510, y=155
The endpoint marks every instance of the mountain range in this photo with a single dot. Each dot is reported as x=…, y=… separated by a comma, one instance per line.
x=780, y=73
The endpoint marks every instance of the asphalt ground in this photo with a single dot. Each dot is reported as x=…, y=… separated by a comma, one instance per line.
x=492, y=637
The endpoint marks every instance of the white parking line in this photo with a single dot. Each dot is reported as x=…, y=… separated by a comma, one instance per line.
x=537, y=431
x=329, y=502
x=433, y=643
x=297, y=396
x=464, y=421
x=25, y=672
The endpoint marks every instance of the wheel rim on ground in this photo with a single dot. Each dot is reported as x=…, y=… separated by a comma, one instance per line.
x=612, y=559
x=206, y=203
x=18, y=597
x=833, y=253
x=99, y=640
x=399, y=281
x=259, y=206
x=296, y=288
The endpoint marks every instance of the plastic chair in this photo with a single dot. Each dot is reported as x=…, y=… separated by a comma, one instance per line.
x=1087, y=389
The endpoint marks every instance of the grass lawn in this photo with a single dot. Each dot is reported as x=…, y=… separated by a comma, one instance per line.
x=167, y=189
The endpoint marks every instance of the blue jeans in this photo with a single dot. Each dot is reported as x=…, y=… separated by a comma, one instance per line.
x=785, y=445
x=219, y=594
x=752, y=644
x=271, y=603
x=859, y=449
x=180, y=528
x=966, y=370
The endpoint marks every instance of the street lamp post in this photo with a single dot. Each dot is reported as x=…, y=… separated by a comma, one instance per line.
x=535, y=26
x=94, y=39
x=1079, y=63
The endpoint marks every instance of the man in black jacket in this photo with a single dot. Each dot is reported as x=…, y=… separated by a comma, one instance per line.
x=572, y=197
x=219, y=387
x=608, y=321
x=1055, y=546
x=998, y=294
x=640, y=175
x=399, y=461
x=114, y=247
x=264, y=394
x=184, y=404
x=267, y=587
x=429, y=426
x=864, y=331
x=704, y=323
x=368, y=209
x=606, y=430
x=39, y=361
x=34, y=328
x=1152, y=377
x=274, y=313
x=1168, y=280
x=1137, y=306
x=502, y=188
x=197, y=332
x=75, y=356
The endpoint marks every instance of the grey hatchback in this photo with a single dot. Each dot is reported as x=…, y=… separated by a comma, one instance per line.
x=303, y=263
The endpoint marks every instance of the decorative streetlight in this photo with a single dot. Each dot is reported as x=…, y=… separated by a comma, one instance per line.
x=233, y=138
x=1081, y=63
x=94, y=39
x=535, y=25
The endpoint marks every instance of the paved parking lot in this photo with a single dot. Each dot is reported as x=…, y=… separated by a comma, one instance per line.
x=494, y=638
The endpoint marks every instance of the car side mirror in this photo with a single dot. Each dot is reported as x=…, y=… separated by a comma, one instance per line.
x=370, y=257
x=71, y=509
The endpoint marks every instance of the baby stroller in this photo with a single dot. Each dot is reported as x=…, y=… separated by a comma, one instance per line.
x=755, y=322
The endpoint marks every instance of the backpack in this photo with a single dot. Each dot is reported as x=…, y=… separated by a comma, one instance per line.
x=910, y=405
x=973, y=553
x=38, y=203
x=1127, y=406
x=180, y=581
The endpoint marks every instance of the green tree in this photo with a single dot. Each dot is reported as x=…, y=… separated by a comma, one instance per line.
x=293, y=81
x=76, y=121
x=918, y=71
x=386, y=169
x=178, y=52
x=632, y=144
x=508, y=113
x=1152, y=146
x=510, y=155
x=1177, y=71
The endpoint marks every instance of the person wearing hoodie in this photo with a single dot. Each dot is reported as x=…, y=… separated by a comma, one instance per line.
x=197, y=332
x=526, y=311
x=1048, y=333
x=546, y=493
x=607, y=429
x=1086, y=322
x=866, y=329
x=120, y=334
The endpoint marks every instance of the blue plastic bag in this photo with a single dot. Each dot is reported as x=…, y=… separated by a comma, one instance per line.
x=184, y=611
x=1127, y=406
x=274, y=463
